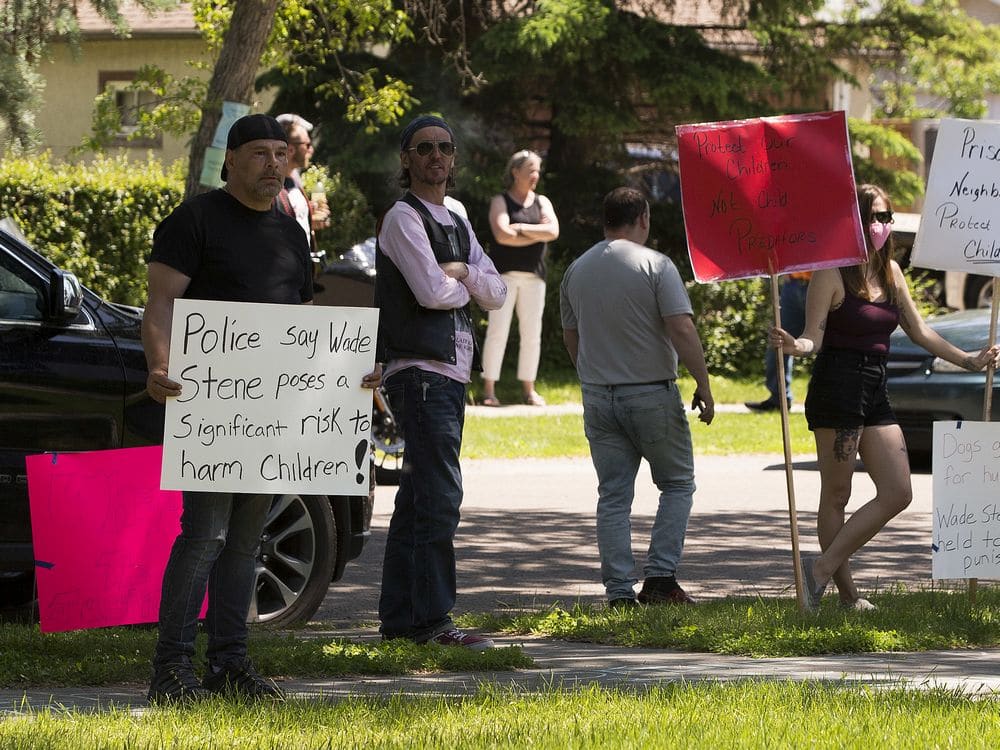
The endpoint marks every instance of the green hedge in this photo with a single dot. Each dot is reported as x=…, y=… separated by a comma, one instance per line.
x=95, y=219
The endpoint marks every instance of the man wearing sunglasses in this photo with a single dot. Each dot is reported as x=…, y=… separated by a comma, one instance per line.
x=429, y=267
x=292, y=200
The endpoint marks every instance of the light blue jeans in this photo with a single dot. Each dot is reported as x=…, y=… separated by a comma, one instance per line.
x=623, y=424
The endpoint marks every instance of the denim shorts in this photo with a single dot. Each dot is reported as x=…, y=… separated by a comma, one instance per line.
x=848, y=390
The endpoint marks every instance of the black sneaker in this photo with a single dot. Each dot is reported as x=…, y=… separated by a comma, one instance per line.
x=175, y=683
x=240, y=679
x=663, y=590
x=761, y=406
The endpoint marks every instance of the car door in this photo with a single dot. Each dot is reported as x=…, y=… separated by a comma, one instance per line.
x=61, y=388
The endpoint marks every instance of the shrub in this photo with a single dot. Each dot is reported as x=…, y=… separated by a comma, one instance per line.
x=97, y=219
x=733, y=318
x=94, y=219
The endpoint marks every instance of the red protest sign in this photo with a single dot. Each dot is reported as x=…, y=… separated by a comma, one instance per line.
x=769, y=195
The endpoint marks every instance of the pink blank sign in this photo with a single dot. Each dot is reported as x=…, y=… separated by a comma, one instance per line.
x=102, y=530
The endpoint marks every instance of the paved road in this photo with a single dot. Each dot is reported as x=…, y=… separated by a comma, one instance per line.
x=527, y=535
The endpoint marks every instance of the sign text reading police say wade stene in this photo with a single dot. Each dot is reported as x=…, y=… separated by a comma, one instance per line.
x=271, y=398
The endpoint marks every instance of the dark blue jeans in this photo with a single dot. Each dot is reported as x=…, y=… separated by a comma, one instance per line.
x=216, y=550
x=418, y=574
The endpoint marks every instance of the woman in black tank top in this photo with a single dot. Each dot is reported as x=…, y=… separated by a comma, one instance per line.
x=850, y=313
x=523, y=223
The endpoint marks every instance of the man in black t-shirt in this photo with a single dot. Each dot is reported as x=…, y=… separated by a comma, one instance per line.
x=229, y=245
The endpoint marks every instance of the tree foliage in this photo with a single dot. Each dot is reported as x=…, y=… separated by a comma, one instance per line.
x=26, y=28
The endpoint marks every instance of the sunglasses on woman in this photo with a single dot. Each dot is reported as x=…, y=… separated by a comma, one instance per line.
x=884, y=217
x=424, y=148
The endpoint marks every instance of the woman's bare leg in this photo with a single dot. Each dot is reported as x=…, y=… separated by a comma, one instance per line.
x=836, y=452
x=883, y=450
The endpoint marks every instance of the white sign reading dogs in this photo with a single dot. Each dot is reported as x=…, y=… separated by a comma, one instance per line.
x=271, y=398
x=960, y=224
x=966, y=465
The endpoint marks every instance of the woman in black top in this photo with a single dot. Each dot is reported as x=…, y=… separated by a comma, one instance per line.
x=523, y=222
x=850, y=313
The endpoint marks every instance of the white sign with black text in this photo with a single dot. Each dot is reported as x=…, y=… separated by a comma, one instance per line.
x=966, y=466
x=271, y=398
x=960, y=222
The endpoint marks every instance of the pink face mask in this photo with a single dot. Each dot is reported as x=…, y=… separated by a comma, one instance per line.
x=879, y=233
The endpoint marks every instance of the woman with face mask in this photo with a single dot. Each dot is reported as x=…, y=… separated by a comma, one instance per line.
x=850, y=313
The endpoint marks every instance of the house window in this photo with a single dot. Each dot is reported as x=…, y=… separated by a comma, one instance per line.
x=129, y=105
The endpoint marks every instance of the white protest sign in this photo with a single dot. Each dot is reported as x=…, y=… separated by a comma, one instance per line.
x=966, y=466
x=960, y=223
x=271, y=398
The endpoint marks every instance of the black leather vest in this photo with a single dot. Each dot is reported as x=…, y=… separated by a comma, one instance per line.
x=406, y=329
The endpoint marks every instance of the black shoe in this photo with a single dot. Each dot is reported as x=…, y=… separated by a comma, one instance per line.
x=663, y=590
x=240, y=679
x=624, y=602
x=175, y=683
x=766, y=405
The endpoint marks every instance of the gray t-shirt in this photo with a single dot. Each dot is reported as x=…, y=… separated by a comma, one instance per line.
x=615, y=296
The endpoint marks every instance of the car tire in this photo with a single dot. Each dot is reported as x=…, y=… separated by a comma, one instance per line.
x=978, y=292
x=295, y=561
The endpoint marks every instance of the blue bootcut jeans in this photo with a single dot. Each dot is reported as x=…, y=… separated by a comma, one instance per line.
x=624, y=424
x=216, y=550
x=418, y=574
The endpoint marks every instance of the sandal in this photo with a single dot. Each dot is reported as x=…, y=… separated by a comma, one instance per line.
x=490, y=401
x=533, y=399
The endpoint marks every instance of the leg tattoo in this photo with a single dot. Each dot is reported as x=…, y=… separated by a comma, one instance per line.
x=845, y=445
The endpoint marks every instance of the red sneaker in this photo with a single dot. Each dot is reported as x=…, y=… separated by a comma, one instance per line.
x=456, y=637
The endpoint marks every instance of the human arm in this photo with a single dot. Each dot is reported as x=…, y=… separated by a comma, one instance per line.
x=911, y=321
x=825, y=290
x=545, y=231
x=479, y=275
x=373, y=379
x=684, y=337
x=166, y=284
x=522, y=235
x=571, y=340
x=404, y=242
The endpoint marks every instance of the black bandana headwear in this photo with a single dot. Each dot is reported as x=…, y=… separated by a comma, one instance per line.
x=424, y=121
x=252, y=128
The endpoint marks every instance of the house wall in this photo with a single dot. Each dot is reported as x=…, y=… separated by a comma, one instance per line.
x=73, y=82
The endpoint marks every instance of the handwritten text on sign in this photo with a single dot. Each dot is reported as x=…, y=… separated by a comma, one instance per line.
x=769, y=195
x=272, y=398
x=961, y=216
x=966, y=541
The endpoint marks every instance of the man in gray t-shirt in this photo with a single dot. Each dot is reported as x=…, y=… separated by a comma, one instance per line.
x=627, y=320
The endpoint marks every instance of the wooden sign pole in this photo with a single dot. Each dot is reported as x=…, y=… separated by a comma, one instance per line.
x=787, y=440
x=988, y=395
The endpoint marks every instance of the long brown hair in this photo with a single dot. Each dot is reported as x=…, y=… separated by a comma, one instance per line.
x=878, y=260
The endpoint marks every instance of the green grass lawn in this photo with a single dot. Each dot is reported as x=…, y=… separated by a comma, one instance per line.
x=118, y=655
x=905, y=621
x=561, y=435
x=745, y=715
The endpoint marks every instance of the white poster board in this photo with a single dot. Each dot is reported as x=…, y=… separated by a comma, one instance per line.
x=960, y=223
x=966, y=466
x=271, y=398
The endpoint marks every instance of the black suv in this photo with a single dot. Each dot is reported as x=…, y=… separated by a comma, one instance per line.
x=73, y=378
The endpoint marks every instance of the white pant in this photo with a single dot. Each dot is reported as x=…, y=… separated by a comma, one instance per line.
x=526, y=295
